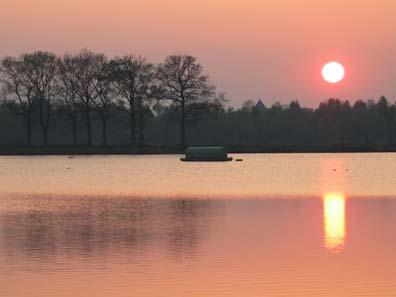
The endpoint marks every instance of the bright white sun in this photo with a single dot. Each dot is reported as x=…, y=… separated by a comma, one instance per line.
x=333, y=72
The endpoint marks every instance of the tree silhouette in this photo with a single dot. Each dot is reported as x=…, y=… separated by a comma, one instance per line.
x=88, y=67
x=182, y=81
x=17, y=78
x=103, y=102
x=67, y=90
x=42, y=67
x=133, y=79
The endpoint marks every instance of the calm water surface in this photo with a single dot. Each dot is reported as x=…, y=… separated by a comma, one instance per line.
x=272, y=225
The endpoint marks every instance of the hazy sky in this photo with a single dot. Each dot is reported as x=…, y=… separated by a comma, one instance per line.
x=269, y=49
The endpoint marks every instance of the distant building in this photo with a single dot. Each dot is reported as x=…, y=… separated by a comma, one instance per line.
x=260, y=107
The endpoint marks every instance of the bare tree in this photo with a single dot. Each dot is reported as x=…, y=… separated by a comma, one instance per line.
x=67, y=89
x=182, y=81
x=133, y=79
x=104, y=102
x=146, y=86
x=88, y=66
x=17, y=81
x=42, y=66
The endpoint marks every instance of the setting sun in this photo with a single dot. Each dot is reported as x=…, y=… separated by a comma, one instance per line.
x=333, y=72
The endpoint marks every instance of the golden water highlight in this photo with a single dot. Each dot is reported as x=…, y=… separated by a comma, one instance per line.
x=334, y=221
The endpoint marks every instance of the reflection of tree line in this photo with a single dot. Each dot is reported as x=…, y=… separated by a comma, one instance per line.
x=93, y=226
x=88, y=98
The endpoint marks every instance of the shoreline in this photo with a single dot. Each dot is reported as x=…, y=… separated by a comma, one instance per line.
x=175, y=149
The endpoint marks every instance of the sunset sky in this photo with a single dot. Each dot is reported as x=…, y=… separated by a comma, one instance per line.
x=252, y=49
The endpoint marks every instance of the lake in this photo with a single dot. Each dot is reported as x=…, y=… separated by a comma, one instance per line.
x=272, y=225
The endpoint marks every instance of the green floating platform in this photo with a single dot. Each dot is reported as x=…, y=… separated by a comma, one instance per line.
x=206, y=154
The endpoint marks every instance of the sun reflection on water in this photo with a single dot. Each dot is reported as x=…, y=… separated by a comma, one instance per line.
x=334, y=221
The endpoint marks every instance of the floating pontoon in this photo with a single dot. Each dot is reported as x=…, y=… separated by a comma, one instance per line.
x=205, y=154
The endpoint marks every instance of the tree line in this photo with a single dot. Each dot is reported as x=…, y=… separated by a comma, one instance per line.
x=88, y=98
x=87, y=83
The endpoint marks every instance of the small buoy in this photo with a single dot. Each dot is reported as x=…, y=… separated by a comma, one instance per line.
x=238, y=160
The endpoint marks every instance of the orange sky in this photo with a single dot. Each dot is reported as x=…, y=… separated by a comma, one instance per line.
x=252, y=48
